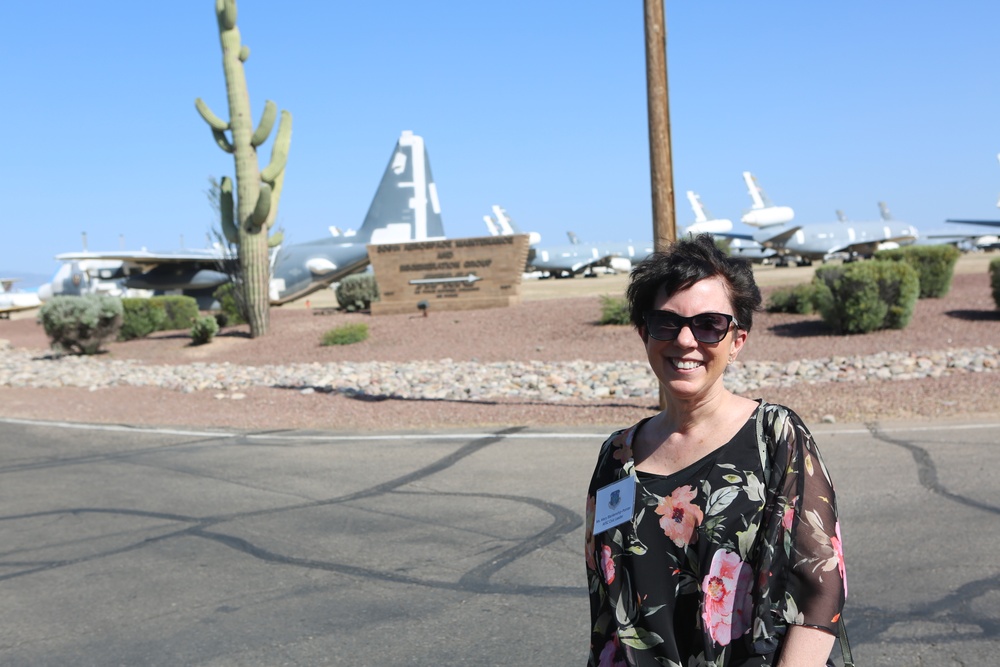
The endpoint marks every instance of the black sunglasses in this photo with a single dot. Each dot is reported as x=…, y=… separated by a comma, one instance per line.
x=705, y=327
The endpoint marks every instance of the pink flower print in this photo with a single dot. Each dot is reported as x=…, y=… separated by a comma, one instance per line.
x=727, y=606
x=609, y=653
x=838, y=547
x=607, y=565
x=679, y=516
x=589, y=532
x=788, y=515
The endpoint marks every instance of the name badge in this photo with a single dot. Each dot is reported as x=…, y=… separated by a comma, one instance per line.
x=615, y=503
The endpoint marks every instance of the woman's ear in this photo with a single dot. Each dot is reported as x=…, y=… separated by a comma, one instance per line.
x=641, y=330
x=739, y=340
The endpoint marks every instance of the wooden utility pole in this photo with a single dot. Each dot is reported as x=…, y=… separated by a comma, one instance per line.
x=661, y=170
x=660, y=159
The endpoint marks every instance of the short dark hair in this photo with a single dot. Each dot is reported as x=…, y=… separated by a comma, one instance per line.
x=684, y=263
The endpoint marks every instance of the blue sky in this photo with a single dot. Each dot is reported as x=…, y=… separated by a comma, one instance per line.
x=540, y=107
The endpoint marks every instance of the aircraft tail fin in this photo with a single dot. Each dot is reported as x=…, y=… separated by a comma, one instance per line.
x=756, y=193
x=841, y=216
x=884, y=211
x=763, y=213
x=573, y=239
x=405, y=206
x=506, y=225
x=491, y=225
x=700, y=214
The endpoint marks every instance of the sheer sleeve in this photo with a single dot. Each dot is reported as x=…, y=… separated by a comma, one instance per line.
x=800, y=562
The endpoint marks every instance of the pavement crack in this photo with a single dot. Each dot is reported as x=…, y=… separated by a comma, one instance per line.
x=927, y=471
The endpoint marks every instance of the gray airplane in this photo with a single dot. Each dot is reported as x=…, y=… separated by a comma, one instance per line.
x=577, y=257
x=806, y=243
x=405, y=208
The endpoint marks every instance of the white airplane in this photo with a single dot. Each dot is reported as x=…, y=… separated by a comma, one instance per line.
x=13, y=300
x=405, y=208
x=576, y=257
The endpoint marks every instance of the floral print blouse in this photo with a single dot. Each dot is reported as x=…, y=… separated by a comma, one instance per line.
x=720, y=557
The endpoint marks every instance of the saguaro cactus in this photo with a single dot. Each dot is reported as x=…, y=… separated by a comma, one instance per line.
x=257, y=191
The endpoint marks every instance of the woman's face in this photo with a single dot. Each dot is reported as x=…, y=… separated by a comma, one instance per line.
x=688, y=368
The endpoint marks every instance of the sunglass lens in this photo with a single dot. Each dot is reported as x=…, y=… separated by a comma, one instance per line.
x=710, y=327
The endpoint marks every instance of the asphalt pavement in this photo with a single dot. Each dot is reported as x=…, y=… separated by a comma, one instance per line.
x=137, y=546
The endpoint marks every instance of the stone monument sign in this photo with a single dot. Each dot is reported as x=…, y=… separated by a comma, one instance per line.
x=449, y=274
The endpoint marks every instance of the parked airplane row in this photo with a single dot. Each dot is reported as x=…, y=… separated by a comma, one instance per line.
x=406, y=208
x=776, y=240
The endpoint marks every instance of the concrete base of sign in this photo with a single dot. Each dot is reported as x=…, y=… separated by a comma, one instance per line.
x=401, y=307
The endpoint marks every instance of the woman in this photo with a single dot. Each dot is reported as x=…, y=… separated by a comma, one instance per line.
x=696, y=553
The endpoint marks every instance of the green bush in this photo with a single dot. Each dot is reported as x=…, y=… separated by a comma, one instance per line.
x=81, y=323
x=204, y=329
x=357, y=292
x=346, y=334
x=995, y=280
x=182, y=311
x=935, y=265
x=866, y=296
x=141, y=317
x=614, y=310
x=230, y=308
x=798, y=299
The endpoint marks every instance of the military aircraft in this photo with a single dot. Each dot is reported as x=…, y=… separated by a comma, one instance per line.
x=805, y=243
x=405, y=208
x=576, y=257
x=13, y=300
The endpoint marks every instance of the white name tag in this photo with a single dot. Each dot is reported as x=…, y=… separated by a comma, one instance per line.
x=615, y=503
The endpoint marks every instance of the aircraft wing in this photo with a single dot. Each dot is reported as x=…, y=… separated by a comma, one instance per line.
x=770, y=239
x=869, y=246
x=988, y=223
x=145, y=258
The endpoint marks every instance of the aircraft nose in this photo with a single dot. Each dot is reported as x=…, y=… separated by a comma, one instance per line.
x=45, y=292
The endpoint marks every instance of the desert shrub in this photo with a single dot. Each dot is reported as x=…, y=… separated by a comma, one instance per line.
x=81, y=323
x=614, y=310
x=229, y=305
x=357, y=292
x=797, y=299
x=866, y=296
x=346, y=334
x=141, y=317
x=182, y=311
x=935, y=265
x=995, y=280
x=204, y=329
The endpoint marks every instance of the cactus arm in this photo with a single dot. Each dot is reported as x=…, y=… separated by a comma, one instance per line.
x=226, y=210
x=263, y=207
x=214, y=121
x=244, y=53
x=279, y=152
x=266, y=123
x=226, y=11
x=222, y=140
